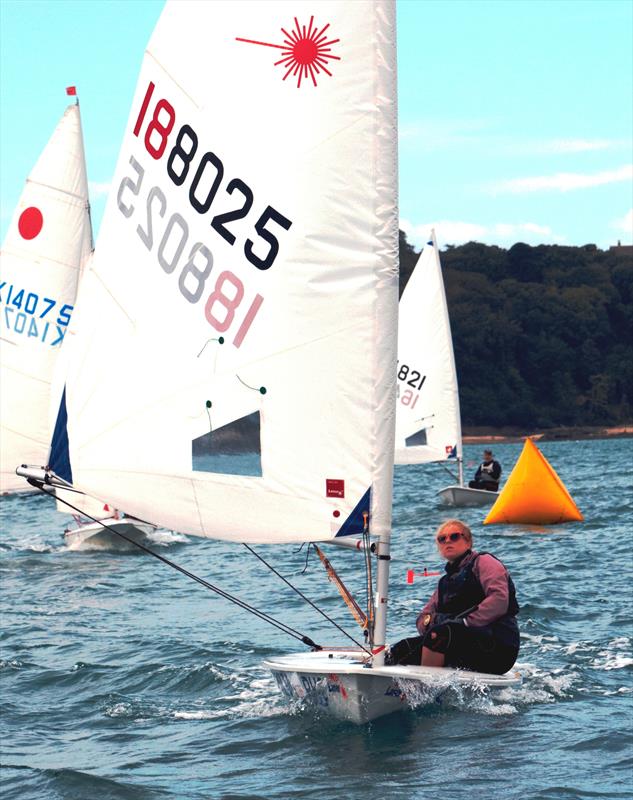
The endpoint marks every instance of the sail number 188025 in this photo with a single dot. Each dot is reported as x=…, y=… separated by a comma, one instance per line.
x=171, y=242
x=207, y=171
x=167, y=234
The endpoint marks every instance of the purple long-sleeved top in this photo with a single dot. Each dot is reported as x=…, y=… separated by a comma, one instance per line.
x=493, y=577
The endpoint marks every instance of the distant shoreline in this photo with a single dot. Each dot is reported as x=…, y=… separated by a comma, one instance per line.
x=472, y=435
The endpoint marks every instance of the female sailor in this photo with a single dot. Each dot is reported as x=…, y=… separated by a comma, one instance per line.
x=470, y=620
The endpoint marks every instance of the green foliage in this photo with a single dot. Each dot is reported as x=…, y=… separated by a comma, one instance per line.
x=543, y=336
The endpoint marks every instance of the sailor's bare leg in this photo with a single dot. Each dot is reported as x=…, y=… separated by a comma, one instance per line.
x=432, y=659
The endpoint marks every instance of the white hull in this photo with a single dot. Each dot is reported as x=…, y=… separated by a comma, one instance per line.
x=461, y=496
x=102, y=536
x=339, y=683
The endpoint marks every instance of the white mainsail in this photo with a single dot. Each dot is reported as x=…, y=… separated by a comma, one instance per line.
x=247, y=262
x=44, y=251
x=428, y=426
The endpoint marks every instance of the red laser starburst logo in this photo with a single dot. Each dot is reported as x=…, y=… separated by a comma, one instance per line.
x=305, y=51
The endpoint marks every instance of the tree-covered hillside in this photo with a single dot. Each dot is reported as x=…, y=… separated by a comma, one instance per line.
x=543, y=336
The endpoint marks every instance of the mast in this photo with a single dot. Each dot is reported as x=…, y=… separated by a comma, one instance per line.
x=386, y=311
x=382, y=595
x=458, y=413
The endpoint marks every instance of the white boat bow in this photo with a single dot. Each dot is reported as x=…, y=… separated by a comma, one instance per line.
x=463, y=496
x=348, y=688
x=105, y=534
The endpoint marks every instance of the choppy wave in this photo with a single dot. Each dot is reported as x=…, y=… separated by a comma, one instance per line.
x=122, y=679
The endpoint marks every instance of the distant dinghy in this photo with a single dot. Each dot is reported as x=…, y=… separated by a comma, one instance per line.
x=533, y=494
x=428, y=427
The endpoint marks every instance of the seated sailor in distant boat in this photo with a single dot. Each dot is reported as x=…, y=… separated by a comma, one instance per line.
x=488, y=474
x=470, y=620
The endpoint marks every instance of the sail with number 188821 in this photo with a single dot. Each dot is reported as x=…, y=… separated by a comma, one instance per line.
x=428, y=425
x=247, y=268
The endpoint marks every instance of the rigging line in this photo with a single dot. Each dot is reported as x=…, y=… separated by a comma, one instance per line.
x=305, y=566
x=241, y=603
x=446, y=469
x=307, y=599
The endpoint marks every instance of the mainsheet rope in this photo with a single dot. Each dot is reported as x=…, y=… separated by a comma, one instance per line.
x=241, y=603
x=282, y=626
x=307, y=599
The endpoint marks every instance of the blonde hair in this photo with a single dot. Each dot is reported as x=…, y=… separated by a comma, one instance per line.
x=456, y=523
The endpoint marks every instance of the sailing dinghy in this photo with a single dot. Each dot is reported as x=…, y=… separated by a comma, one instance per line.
x=104, y=533
x=463, y=496
x=428, y=426
x=44, y=255
x=247, y=267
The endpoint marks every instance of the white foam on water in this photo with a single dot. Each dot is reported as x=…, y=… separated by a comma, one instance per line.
x=110, y=542
x=538, y=638
x=539, y=686
x=97, y=544
x=258, y=698
x=617, y=655
x=164, y=537
x=248, y=695
x=450, y=693
x=119, y=710
x=10, y=664
x=608, y=661
x=621, y=690
x=35, y=545
x=577, y=647
x=246, y=707
x=182, y=670
x=39, y=547
x=199, y=714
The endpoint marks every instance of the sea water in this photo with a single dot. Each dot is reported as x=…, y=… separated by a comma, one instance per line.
x=122, y=679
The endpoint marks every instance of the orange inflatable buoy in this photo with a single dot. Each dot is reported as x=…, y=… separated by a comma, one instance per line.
x=533, y=494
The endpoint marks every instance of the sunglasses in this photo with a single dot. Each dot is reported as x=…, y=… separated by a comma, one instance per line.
x=449, y=537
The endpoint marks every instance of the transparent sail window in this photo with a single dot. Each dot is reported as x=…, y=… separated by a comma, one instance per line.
x=234, y=449
x=418, y=439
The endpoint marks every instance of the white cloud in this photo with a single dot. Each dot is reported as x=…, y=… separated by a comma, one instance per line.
x=624, y=224
x=575, y=145
x=501, y=233
x=564, y=181
x=446, y=231
x=434, y=134
x=98, y=189
x=440, y=134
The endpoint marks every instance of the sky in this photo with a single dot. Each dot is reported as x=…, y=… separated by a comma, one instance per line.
x=515, y=116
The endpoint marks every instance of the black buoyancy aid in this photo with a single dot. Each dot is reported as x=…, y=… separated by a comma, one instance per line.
x=460, y=590
x=485, y=472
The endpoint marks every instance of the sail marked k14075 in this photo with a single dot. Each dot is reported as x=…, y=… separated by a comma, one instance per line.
x=45, y=249
x=247, y=267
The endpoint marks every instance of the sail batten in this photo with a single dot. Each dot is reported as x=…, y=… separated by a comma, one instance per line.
x=247, y=265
